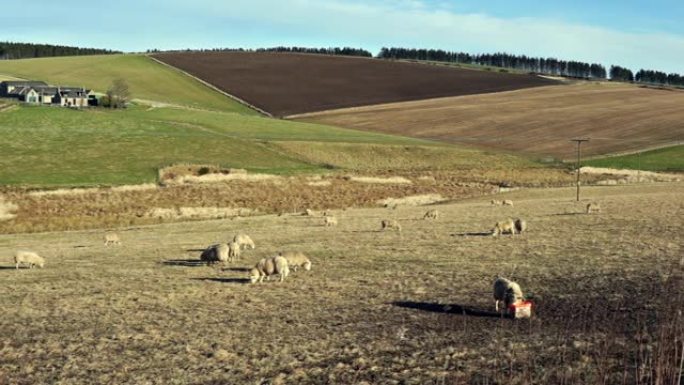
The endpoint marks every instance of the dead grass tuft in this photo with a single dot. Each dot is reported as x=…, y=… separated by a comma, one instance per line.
x=387, y=180
x=630, y=176
x=222, y=178
x=414, y=200
x=7, y=209
x=84, y=191
x=180, y=213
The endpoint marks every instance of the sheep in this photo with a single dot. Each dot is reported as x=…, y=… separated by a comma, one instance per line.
x=520, y=225
x=111, y=239
x=431, y=214
x=234, y=251
x=309, y=213
x=507, y=291
x=29, y=258
x=507, y=202
x=269, y=266
x=244, y=241
x=593, y=207
x=502, y=227
x=390, y=224
x=330, y=221
x=296, y=259
x=216, y=253
x=496, y=202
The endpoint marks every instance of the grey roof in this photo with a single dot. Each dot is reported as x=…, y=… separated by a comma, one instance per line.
x=22, y=90
x=46, y=90
x=73, y=93
x=23, y=83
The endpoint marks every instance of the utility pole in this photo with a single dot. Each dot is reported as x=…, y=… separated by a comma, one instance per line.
x=579, y=154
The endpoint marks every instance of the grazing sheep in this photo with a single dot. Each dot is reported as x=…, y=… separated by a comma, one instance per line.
x=496, y=202
x=431, y=214
x=29, y=258
x=111, y=239
x=507, y=202
x=216, y=253
x=296, y=259
x=330, y=221
x=507, y=291
x=269, y=266
x=593, y=207
x=503, y=227
x=234, y=251
x=520, y=225
x=244, y=241
x=390, y=224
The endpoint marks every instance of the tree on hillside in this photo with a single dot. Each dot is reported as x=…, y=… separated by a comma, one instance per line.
x=9, y=50
x=621, y=74
x=117, y=95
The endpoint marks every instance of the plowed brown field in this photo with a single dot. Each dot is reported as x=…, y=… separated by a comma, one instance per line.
x=617, y=118
x=286, y=84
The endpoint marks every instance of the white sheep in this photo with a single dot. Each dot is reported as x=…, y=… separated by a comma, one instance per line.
x=330, y=221
x=309, y=212
x=112, y=239
x=244, y=241
x=593, y=207
x=507, y=202
x=503, y=227
x=216, y=253
x=297, y=259
x=431, y=214
x=520, y=225
x=269, y=266
x=496, y=202
x=507, y=291
x=390, y=224
x=29, y=258
x=234, y=251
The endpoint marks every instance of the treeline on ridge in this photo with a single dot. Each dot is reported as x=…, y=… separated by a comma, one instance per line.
x=548, y=66
x=341, y=51
x=10, y=50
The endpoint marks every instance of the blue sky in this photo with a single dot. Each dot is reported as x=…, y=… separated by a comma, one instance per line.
x=634, y=33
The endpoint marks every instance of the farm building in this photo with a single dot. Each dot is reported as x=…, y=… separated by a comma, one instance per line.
x=39, y=93
x=9, y=88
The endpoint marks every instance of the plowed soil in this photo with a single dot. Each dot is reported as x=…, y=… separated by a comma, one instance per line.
x=540, y=121
x=287, y=84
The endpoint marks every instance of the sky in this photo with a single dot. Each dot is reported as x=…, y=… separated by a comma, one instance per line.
x=634, y=33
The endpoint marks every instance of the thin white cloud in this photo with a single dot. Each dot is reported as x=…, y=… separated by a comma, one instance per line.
x=415, y=24
x=367, y=24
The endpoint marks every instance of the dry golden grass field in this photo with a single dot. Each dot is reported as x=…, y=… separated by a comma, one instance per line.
x=414, y=307
x=540, y=121
x=76, y=209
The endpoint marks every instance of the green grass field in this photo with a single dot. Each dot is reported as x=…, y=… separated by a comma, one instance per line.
x=147, y=79
x=664, y=159
x=46, y=146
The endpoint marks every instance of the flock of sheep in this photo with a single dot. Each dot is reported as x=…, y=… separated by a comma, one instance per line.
x=505, y=291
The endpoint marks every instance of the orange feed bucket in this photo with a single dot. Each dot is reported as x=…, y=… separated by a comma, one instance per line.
x=521, y=309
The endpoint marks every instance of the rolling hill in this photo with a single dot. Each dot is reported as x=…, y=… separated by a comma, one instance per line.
x=285, y=84
x=147, y=79
x=184, y=121
x=538, y=121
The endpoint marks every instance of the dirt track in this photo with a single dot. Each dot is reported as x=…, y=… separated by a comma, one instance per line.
x=617, y=118
x=287, y=84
